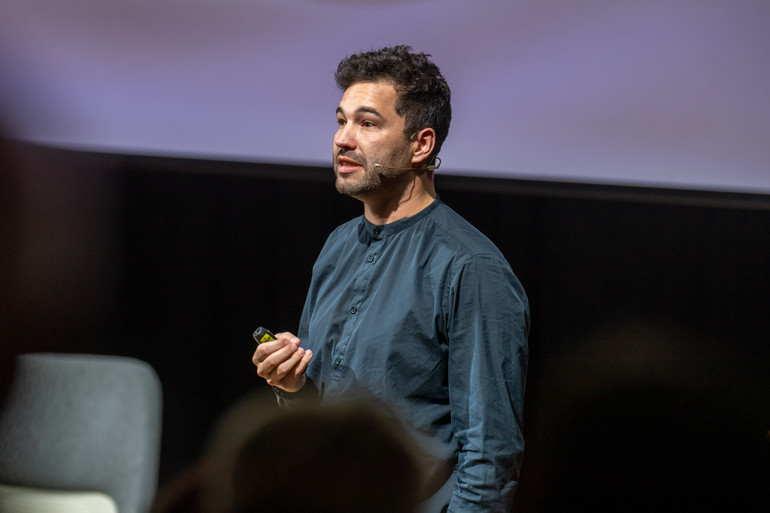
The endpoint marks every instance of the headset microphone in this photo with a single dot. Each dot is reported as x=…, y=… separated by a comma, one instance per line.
x=429, y=168
x=376, y=164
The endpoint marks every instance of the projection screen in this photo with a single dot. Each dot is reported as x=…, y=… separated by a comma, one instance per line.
x=653, y=93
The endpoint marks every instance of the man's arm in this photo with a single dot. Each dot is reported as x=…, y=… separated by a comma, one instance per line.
x=487, y=331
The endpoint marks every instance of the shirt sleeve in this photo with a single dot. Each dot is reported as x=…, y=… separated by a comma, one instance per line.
x=487, y=329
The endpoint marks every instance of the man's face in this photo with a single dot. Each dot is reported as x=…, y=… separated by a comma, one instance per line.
x=369, y=132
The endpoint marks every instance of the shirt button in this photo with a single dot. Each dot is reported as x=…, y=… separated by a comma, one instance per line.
x=337, y=362
x=370, y=259
x=377, y=231
x=353, y=309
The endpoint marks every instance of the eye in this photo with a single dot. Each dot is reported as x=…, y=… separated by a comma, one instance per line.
x=340, y=122
x=368, y=124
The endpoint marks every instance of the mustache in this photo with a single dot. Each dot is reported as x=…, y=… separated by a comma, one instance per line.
x=352, y=155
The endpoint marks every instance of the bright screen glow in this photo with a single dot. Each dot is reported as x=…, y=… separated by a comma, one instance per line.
x=656, y=92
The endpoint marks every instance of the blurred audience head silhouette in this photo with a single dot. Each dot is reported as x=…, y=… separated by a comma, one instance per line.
x=341, y=457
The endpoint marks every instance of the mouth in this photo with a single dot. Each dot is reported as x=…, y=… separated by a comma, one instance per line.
x=347, y=166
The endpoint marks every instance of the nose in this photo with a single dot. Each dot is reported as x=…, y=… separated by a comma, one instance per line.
x=344, y=138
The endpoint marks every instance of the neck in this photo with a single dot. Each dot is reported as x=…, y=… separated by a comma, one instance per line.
x=403, y=200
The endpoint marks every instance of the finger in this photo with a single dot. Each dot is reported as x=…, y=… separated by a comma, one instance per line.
x=267, y=367
x=288, y=337
x=265, y=349
x=288, y=366
x=300, y=369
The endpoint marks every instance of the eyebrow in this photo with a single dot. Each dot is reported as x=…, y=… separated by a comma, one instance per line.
x=362, y=110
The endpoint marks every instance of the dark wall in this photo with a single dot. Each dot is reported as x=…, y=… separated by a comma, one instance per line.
x=650, y=320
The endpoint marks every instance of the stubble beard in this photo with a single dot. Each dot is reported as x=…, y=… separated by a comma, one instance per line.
x=372, y=180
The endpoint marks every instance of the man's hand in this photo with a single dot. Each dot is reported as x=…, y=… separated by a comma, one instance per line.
x=282, y=362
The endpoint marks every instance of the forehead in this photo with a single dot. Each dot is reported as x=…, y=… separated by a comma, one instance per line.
x=378, y=96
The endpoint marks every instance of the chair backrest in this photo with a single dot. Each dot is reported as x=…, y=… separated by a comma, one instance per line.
x=83, y=423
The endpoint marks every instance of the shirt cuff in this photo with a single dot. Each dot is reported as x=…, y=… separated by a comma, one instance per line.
x=308, y=394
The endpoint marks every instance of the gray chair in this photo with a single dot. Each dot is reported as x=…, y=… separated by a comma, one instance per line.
x=78, y=432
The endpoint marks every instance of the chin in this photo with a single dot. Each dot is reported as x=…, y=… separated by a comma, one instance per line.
x=344, y=186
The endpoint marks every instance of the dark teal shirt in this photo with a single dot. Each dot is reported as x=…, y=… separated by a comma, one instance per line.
x=426, y=315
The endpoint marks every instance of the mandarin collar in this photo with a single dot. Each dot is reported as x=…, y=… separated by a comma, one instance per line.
x=379, y=231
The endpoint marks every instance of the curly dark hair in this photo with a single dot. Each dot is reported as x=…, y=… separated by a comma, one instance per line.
x=423, y=96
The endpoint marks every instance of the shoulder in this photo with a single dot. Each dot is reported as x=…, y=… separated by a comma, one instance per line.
x=475, y=258
x=456, y=234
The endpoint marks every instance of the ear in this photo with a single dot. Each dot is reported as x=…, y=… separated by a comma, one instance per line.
x=423, y=144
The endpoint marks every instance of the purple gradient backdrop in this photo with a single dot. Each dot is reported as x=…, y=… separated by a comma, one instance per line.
x=663, y=93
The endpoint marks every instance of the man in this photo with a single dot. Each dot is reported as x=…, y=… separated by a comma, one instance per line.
x=409, y=303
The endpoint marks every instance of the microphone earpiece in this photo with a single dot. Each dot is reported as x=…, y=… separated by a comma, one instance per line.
x=436, y=165
x=377, y=164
